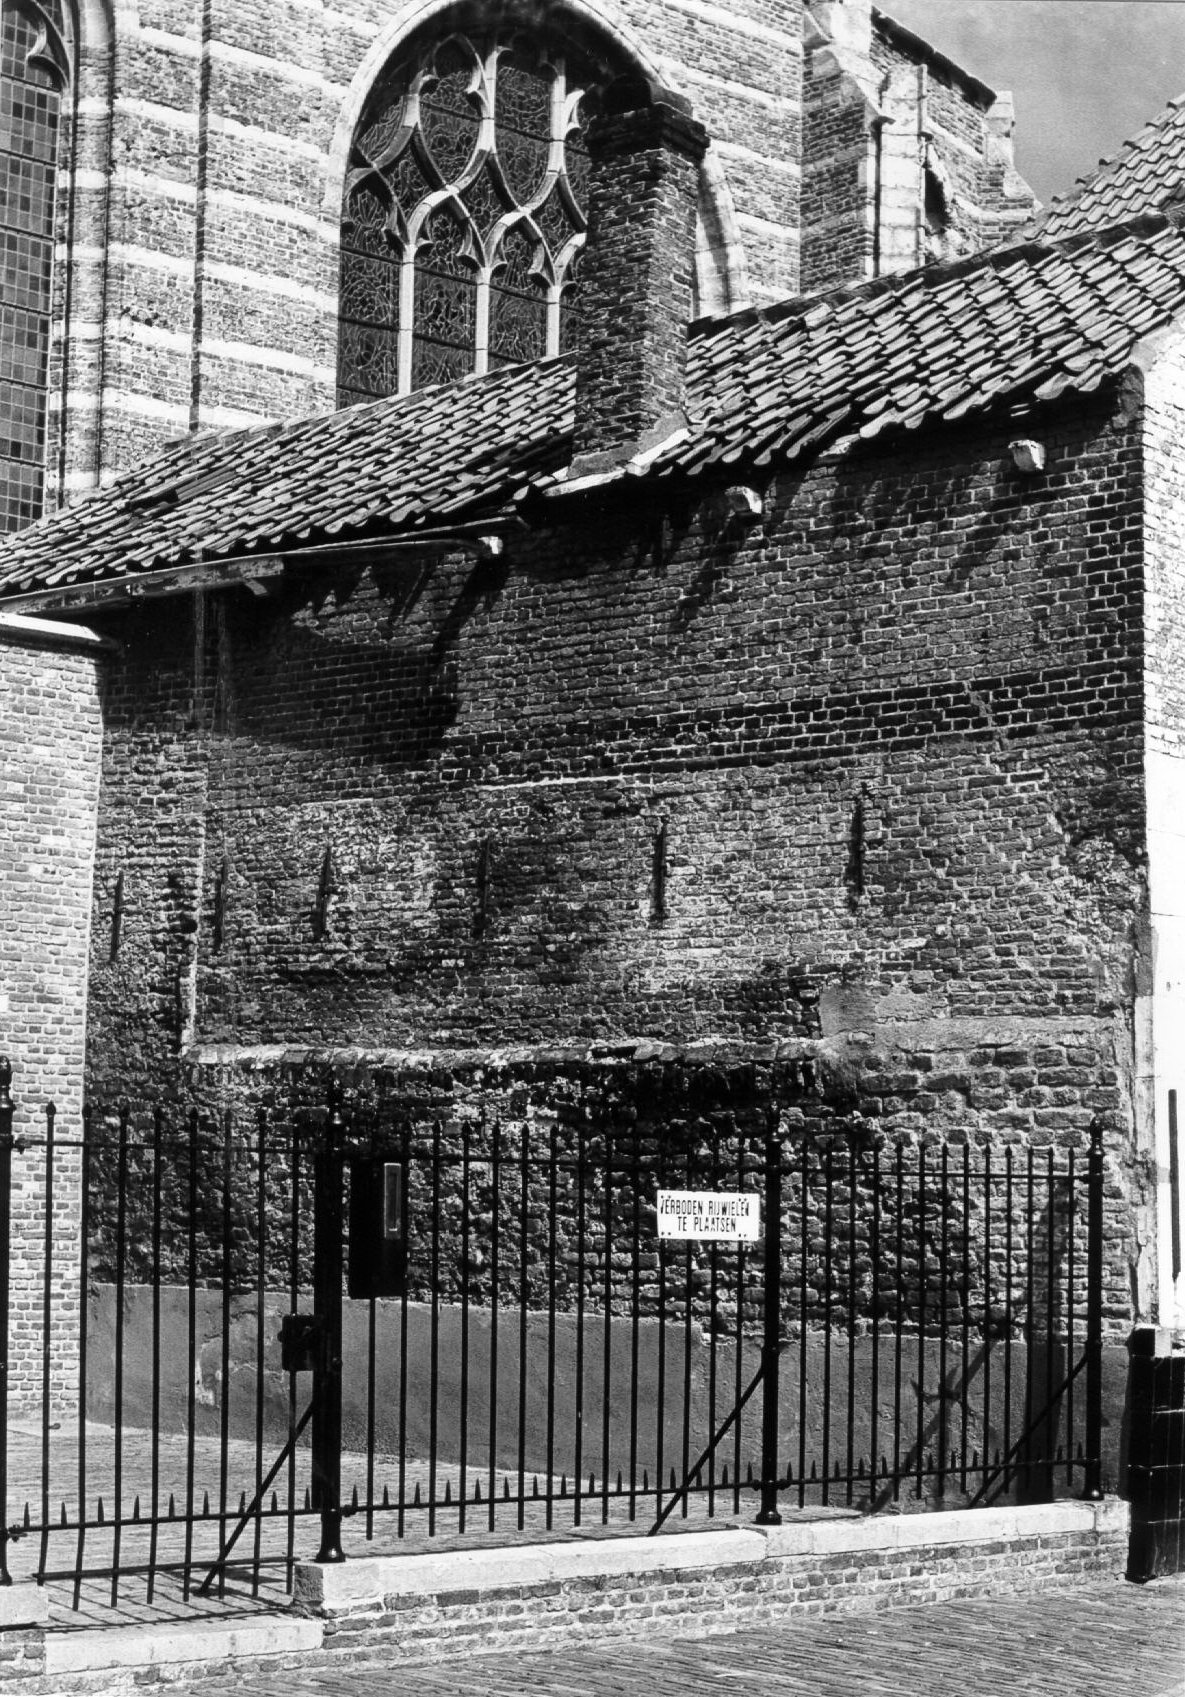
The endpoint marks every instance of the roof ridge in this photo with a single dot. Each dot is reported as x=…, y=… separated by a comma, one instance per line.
x=933, y=275
x=942, y=61
x=1108, y=160
x=1119, y=173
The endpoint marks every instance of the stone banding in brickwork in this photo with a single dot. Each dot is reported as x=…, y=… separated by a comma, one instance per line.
x=275, y=88
x=723, y=87
x=282, y=285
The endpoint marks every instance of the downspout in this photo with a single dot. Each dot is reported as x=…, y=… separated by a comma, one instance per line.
x=878, y=145
x=920, y=247
x=68, y=281
x=104, y=261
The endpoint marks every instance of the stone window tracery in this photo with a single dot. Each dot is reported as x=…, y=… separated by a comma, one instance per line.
x=35, y=72
x=465, y=211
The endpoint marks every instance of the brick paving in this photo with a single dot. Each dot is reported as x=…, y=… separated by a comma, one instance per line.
x=1107, y=1639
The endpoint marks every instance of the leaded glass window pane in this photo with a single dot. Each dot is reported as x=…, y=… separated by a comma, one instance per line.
x=445, y=303
x=32, y=73
x=464, y=211
x=570, y=315
x=518, y=307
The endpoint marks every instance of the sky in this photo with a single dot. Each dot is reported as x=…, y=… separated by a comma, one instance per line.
x=1086, y=74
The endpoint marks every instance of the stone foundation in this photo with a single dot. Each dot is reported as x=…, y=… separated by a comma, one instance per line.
x=431, y=1607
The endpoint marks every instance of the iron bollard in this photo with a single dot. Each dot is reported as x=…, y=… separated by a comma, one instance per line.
x=771, y=1345
x=6, y=1143
x=1093, y=1473
x=328, y=1225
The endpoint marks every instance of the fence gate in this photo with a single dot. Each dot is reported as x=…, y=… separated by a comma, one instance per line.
x=191, y=1403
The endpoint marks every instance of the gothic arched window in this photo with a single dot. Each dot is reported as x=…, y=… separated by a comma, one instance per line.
x=36, y=49
x=464, y=210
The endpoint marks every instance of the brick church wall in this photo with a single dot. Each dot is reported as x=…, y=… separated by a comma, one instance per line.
x=892, y=737
x=883, y=114
x=208, y=203
x=838, y=163
x=50, y=739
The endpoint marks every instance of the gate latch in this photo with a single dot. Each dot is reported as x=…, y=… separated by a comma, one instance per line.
x=301, y=1343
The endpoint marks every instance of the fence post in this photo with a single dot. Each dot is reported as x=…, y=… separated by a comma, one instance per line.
x=771, y=1344
x=1092, y=1490
x=6, y=1141
x=328, y=1212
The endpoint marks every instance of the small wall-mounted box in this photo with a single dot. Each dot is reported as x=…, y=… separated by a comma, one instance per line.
x=378, y=1245
x=302, y=1343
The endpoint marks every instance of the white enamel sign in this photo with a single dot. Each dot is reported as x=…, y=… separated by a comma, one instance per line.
x=733, y=1215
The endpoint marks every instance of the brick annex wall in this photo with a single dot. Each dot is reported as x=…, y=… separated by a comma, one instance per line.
x=50, y=742
x=893, y=738
x=205, y=280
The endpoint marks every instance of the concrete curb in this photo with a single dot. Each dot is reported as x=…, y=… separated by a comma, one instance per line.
x=375, y=1577
x=23, y=1604
x=957, y=1526
x=170, y=1645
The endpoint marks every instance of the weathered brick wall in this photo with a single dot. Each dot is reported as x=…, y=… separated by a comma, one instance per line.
x=206, y=271
x=50, y=737
x=150, y=864
x=893, y=739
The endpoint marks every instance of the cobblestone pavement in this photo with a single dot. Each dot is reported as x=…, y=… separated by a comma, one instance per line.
x=1108, y=1639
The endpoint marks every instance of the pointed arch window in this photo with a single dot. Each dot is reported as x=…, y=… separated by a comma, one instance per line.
x=465, y=210
x=36, y=64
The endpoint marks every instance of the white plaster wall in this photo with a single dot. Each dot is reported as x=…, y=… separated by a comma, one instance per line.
x=1165, y=774
x=1160, y=373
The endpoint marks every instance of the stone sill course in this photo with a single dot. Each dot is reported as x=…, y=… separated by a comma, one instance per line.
x=351, y=1585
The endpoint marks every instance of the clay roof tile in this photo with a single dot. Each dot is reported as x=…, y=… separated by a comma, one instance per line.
x=1013, y=327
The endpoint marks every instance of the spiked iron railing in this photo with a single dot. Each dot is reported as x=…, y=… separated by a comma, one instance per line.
x=919, y=1322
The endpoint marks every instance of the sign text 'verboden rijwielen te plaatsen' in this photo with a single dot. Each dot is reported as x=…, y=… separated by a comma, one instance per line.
x=710, y=1214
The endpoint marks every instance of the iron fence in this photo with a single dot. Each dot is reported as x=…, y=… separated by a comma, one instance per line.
x=916, y=1327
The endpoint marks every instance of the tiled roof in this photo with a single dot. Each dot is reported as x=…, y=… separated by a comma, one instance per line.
x=1146, y=175
x=383, y=468
x=1009, y=328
